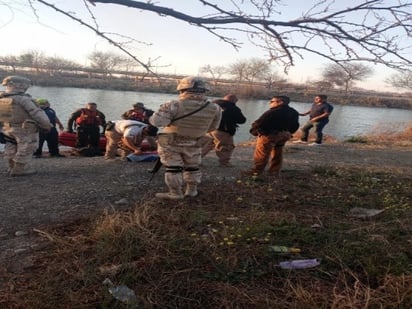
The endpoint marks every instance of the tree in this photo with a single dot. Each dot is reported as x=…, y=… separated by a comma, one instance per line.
x=57, y=64
x=10, y=60
x=376, y=31
x=249, y=72
x=401, y=80
x=104, y=62
x=273, y=80
x=345, y=75
x=32, y=58
x=216, y=72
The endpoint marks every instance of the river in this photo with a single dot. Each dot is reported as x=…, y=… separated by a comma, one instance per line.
x=345, y=121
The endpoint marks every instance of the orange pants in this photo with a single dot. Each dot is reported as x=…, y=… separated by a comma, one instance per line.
x=269, y=147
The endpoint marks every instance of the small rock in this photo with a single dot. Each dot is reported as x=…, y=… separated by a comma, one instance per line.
x=21, y=233
x=21, y=250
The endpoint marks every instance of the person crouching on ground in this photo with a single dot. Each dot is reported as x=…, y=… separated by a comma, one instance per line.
x=21, y=119
x=273, y=129
x=223, y=141
x=130, y=133
x=185, y=121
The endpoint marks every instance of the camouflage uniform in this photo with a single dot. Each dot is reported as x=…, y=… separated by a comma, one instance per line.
x=21, y=119
x=179, y=144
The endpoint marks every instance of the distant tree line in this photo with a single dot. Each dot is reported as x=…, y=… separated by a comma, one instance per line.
x=252, y=78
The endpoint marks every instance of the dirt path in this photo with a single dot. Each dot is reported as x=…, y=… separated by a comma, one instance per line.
x=68, y=189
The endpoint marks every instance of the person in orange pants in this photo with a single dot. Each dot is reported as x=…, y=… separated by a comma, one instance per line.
x=273, y=129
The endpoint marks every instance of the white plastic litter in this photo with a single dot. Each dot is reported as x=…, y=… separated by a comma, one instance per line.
x=121, y=292
x=360, y=212
x=300, y=264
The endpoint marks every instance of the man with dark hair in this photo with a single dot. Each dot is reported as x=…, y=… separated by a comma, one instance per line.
x=273, y=129
x=223, y=141
x=318, y=117
x=139, y=113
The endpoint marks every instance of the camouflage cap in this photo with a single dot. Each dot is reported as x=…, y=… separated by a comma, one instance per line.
x=18, y=81
x=190, y=82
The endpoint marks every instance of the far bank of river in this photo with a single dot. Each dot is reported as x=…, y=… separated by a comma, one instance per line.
x=346, y=121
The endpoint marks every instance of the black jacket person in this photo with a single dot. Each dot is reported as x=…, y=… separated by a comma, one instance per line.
x=273, y=129
x=223, y=142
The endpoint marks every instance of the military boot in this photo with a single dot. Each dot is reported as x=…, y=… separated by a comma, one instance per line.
x=191, y=190
x=174, y=183
x=20, y=169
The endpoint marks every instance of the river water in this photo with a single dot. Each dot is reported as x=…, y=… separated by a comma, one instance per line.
x=345, y=121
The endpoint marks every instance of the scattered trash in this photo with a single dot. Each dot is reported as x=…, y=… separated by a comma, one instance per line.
x=122, y=201
x=121, y=292
x=232, y=218
x=283, y=249
x=300, y=264
x=316, y=226
x=360, y=212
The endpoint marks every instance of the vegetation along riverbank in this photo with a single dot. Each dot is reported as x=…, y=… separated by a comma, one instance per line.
x=128, y=81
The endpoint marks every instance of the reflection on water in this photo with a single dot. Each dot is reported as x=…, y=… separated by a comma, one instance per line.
x=345, y=121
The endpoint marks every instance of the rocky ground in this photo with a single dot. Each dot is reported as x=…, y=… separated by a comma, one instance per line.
x=70, y=189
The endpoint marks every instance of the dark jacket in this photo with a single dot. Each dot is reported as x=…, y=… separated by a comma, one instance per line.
x=281, y=118
x=94, y=118
x=231, y=116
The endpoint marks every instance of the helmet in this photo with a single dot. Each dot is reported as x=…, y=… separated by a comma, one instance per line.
x=16, y=81
x=42, y=101
x=192, y=83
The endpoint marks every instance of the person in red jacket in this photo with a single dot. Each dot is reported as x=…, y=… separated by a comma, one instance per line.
x=87, y=121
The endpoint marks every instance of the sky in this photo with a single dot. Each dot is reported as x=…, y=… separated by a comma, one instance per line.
x=180, y=48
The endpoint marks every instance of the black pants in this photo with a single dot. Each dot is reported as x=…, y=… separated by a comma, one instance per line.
x=52, y=139
x=87, y=136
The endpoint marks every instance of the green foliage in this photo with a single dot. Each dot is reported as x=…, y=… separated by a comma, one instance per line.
x=357, y=139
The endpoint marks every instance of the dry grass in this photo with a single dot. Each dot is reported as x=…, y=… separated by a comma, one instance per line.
x=387, y=136
x=212, y=251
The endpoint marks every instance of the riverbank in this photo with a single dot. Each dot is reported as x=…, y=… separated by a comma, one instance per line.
x=72, y=188
x=74, y=216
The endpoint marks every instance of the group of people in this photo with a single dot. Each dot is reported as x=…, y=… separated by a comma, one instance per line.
x=191, y=127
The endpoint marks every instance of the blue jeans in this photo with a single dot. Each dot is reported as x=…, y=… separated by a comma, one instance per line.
x=318, y=130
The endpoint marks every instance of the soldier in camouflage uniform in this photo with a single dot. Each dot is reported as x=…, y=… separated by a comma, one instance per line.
x=21, y=120
x=185, y=122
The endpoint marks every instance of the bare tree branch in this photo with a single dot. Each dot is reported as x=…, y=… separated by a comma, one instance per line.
x=98, y=32
x=376, y=31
